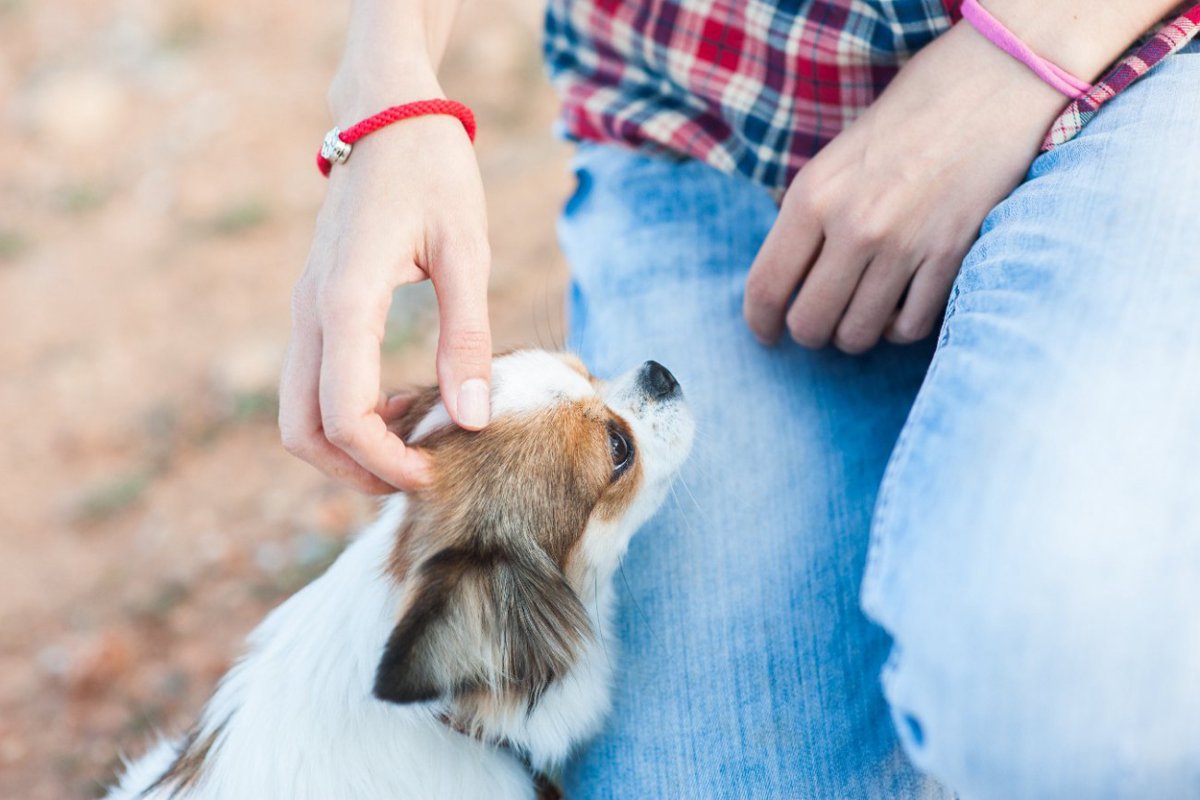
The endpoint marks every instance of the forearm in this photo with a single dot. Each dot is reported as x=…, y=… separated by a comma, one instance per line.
x=393, y=48
x=1081, y=36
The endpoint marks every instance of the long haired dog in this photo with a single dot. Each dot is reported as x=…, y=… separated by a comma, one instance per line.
x=459, y=647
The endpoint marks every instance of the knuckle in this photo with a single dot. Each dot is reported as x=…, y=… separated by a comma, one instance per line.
x=342, y=303
x=340, y=430
x=295, y=442
x=811, y=199
x=869, y=228
x=471, y=344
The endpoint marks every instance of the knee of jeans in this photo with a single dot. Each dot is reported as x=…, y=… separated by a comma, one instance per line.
x=1040, y=575
x=994, y=724
x=1052, y=651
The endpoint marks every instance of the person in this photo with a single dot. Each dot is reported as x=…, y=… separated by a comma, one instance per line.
x=1013, y=496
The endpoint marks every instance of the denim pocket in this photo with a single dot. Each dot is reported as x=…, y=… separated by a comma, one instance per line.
x=583, y=187
x=584, y=179
x=638, y=224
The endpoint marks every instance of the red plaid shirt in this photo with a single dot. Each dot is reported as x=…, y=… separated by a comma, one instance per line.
x=759, y=86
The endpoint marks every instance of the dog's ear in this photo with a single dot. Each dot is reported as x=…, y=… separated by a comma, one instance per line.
x=482, y=621
x=412, y=407
x=541, y=623
x=417, y=661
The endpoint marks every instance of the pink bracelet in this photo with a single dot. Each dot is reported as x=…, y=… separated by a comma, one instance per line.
x=994, y=31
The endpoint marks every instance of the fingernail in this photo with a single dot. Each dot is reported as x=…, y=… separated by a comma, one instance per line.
x=474, y=403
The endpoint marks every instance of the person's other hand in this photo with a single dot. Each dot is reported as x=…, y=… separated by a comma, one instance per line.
x=408, y=205
x=872, y=231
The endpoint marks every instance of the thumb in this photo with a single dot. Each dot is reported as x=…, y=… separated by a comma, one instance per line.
x=464, y=357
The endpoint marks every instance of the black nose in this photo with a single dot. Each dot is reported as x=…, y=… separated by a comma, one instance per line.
x=657, y=381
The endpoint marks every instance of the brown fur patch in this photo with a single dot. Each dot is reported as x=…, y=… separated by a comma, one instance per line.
x=491, y=617
x=527, y=480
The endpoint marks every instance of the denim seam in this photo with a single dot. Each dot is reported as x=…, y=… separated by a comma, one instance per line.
x=878, y=555
x=951, y=308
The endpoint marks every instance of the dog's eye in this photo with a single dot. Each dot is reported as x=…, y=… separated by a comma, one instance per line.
x=620, y=450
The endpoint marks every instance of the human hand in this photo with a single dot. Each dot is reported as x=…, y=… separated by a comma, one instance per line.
x=408, y=205
x=874, y=228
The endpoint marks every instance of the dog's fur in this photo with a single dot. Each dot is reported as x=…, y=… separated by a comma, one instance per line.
x=463, y=636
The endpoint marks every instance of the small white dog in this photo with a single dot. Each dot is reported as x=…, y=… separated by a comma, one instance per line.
x=460, y=646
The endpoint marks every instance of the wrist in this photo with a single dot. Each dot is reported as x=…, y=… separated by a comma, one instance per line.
x=359, y=90
x=1081, y=36
x=393, y=48
x=964, y=110
x=965, y=67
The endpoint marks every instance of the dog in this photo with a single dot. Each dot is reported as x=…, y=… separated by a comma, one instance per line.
x=460, y=647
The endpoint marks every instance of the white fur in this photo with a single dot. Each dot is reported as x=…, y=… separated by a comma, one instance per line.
x=524, y=381
x=296, y=716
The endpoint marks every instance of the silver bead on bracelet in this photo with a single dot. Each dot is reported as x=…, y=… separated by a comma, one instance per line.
x=333, y=149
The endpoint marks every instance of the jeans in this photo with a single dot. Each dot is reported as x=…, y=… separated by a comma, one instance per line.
x=1013, y=503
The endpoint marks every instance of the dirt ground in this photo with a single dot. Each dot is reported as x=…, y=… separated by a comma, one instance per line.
x=157, y=196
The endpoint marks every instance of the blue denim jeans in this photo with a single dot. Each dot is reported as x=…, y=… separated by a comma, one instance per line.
x=1034, y=560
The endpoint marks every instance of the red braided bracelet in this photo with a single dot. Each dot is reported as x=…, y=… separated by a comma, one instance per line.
x=336, y=147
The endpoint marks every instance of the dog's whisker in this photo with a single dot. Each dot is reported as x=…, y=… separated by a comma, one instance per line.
x=687, y=488
x=703, y=438
x=683, y=513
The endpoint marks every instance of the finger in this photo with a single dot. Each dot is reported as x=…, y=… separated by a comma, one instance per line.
x=825, y=294
x=925, y=303
x=348, y=396
x=464, y=358
x=781, y=263
x=300, y=417
x=394, y=407
x=874, y=304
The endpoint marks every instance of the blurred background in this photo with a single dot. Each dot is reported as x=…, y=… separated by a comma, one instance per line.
x=157, y=195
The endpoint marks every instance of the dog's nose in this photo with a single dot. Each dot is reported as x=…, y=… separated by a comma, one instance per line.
x=657, y=381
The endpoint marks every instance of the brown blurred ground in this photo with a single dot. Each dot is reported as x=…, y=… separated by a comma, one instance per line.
x=157, y=196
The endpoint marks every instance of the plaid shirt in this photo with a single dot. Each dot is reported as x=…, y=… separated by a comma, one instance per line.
x=759, y=86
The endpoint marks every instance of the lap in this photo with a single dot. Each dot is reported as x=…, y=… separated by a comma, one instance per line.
x=747, y=669
x=1036, y=549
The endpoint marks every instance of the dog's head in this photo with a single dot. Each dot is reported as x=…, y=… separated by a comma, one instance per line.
x=521, y=520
